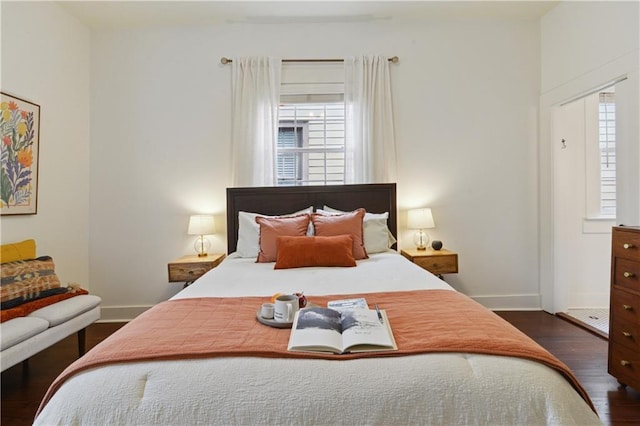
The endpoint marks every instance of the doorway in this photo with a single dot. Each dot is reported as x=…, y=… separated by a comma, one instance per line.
x=584, y=206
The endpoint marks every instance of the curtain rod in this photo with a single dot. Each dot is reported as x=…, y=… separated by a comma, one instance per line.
x=225, y=61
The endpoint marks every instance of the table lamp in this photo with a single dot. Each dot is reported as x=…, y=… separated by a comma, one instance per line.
x=201, y=224
x=420, y=219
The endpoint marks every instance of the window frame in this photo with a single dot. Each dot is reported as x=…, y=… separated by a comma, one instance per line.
x=593, y=160
x=305, y=150
x=314, y=83
x=607, y=100
x=597, y=219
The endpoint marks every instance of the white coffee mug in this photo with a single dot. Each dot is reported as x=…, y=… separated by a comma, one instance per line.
x=285, y=307
x=267, y=310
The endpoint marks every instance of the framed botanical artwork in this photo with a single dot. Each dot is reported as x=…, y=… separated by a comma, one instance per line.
x=20, y=125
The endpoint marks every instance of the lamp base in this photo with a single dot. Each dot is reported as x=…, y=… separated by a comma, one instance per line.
x=421, y=240
x=201, y=245
x=203, y=254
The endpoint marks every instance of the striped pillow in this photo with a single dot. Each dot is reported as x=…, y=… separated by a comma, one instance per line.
x=26, y=280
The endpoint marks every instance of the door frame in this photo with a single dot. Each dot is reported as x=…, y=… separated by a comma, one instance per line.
x=553, y=298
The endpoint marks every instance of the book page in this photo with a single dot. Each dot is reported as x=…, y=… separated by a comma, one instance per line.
x=363, y=331
x=316, y=329
x=348, y=304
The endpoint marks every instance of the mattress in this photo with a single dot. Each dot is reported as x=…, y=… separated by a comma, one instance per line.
x=442, y=388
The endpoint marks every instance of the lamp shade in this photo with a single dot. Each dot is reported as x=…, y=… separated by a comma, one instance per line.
x=201, y=224
x=420, y=219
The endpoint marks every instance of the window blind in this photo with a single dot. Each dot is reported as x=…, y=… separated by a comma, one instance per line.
x=607, y=143
x=317, y=156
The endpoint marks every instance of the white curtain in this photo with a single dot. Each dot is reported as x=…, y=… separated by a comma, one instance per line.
x=256, y=93
x=369, y=136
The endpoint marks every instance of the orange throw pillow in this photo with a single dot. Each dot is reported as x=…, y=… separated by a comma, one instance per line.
x=298, y=252
x=274, y=227
x=342, y=224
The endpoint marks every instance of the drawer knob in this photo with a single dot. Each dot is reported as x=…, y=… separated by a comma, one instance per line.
x=627, y=246
x=627, y=307
x=626, y=334
x=628, y=274
x=625, y=363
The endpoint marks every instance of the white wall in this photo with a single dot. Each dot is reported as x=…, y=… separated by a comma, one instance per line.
x=465, y=97
x=578, y=55
x=45, y=59
x=465, y=102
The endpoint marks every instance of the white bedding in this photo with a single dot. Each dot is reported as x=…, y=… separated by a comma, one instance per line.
x=447, y=389
x=387, y=271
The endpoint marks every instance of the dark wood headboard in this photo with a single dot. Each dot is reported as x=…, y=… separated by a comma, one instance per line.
x=375, y=198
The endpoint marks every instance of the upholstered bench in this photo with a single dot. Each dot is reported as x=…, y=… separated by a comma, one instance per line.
x=25, y=336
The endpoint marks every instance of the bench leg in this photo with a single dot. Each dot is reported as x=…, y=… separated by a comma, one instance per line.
x=82, y=337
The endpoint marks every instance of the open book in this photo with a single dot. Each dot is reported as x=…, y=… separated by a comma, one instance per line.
x=327, y=330
x=347, y=304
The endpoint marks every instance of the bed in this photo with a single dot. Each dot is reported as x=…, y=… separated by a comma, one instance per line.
x=242, y=375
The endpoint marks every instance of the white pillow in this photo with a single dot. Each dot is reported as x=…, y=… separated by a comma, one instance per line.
x=376, y=234
x=249, y=232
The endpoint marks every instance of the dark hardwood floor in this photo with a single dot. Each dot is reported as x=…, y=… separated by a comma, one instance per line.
x=583, y=352
x=586, y=355
x=22, y=389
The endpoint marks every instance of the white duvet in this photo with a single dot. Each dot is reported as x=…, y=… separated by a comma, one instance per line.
x=445, y=389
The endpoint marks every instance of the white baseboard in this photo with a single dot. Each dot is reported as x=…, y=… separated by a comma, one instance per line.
x=512, y=302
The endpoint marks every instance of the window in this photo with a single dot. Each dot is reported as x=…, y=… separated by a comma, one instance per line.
x=314, y=148
x=600, y=155
x=311, y=149
x=311, y=133
x=607, y=145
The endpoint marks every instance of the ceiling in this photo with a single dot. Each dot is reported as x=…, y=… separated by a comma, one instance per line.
x=125, y=14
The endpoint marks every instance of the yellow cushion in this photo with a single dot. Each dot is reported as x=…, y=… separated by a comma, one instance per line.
x=18, y=251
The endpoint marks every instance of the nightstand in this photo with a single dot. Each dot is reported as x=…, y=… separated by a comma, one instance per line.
x=187, y=269
x=437, y=262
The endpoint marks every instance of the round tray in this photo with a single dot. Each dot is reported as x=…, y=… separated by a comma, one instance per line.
x=271, y=322
x=277, y=324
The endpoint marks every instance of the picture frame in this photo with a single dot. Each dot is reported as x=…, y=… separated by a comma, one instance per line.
x=19, y=155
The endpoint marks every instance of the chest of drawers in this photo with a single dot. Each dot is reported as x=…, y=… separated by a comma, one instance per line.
x=624, y=321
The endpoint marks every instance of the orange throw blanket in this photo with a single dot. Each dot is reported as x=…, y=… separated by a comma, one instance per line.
x=422, y=321
x=26, y=308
